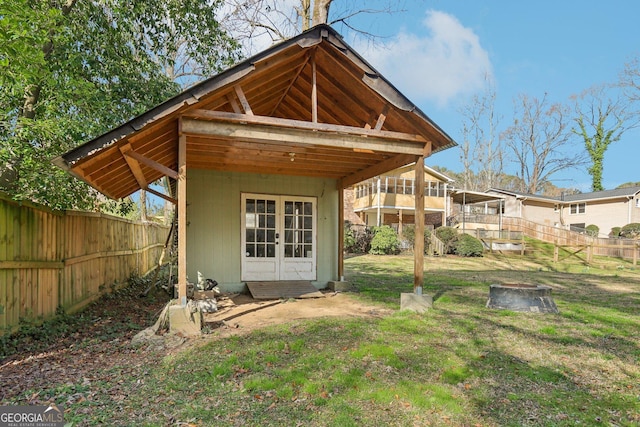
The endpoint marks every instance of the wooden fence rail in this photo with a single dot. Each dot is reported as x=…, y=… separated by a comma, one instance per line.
x=613, y=247
x=52, y=259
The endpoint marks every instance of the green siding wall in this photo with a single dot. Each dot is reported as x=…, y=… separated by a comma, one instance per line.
x=213, y=222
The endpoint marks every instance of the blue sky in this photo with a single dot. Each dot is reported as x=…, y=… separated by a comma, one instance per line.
x=438, y=52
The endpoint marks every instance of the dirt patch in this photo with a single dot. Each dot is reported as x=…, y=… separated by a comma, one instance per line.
x=91, y=355
x=242, y=314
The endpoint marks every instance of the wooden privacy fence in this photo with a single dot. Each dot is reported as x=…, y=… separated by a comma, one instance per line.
x=52, y=259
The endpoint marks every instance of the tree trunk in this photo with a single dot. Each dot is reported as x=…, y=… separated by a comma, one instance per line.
x=321, y=12
x=143, y=205
x=305, y=14
x=32, y=91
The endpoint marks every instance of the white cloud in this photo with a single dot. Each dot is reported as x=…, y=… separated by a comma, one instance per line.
x=446, y=62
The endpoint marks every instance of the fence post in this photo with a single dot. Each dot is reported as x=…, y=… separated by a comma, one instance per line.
x=635, y=253
x=589, y=253
x=555, y=251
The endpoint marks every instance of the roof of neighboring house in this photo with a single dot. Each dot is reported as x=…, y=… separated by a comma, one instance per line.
x=311, y=99
x=467, y=197
x=606, y=194
x=570, y=198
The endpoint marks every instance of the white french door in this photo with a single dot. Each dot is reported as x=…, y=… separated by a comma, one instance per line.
x=278, y=237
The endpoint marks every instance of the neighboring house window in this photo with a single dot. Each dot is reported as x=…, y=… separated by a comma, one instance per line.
x=578, y=208
x=579, y=228
x=638, y=202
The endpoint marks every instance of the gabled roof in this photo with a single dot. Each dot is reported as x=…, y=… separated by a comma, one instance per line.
x=571, y=198
x=602, y=195
x=521, y=195
x=310, y=106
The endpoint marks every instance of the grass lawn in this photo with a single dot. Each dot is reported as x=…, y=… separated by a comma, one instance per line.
x=459, y=364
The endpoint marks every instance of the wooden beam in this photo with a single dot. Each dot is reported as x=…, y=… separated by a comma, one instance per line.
x=258, y=133
x=341, y=233
x=418, y=249
x=382, y=117
x=152, y=164
x=428, y=148
x=377, y=169
x=161, y=195
x=234, y=104
x=286, y=92
x=224, y=116
x=182, y=217
x=134, y=166
x=314, y=91
x=19, y=265
x=243, y=100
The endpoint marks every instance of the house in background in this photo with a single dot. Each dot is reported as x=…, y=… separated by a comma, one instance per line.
x=605, y=209
x=261, y=154
x=388, y=199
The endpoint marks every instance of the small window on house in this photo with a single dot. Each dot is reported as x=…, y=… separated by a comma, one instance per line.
x=638, y=202
x=408, y=186
x=578, y=208
x=578, y=228
x=391, y=185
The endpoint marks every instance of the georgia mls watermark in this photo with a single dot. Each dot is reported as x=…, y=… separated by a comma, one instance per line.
x=32, y=416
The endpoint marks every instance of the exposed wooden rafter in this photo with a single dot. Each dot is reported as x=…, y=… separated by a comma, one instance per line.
x=234, y=104
x=134, y=165
x=293, y=81
x=243, y=100
x=132, y=158
x=151, y=163
x=314, y=90
x=382, y=117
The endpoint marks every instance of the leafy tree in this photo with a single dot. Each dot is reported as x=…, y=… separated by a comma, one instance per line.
x=602, y=116
x=539, y=140
x=71, y=70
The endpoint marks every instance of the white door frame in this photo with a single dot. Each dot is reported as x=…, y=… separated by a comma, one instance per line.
x=278, y=237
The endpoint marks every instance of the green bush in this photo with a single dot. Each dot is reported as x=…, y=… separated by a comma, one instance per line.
x=448, y=236
x=630, y=231
x=615, y=232
x=593, y=230
x=409, y=234
x=385, y=241
x=469, y=246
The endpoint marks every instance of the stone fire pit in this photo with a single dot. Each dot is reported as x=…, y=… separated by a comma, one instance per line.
x=522, y=297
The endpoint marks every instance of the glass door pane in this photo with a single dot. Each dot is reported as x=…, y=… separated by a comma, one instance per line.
x=260, y=228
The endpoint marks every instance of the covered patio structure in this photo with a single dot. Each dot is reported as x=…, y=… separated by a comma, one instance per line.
x=274, y=139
